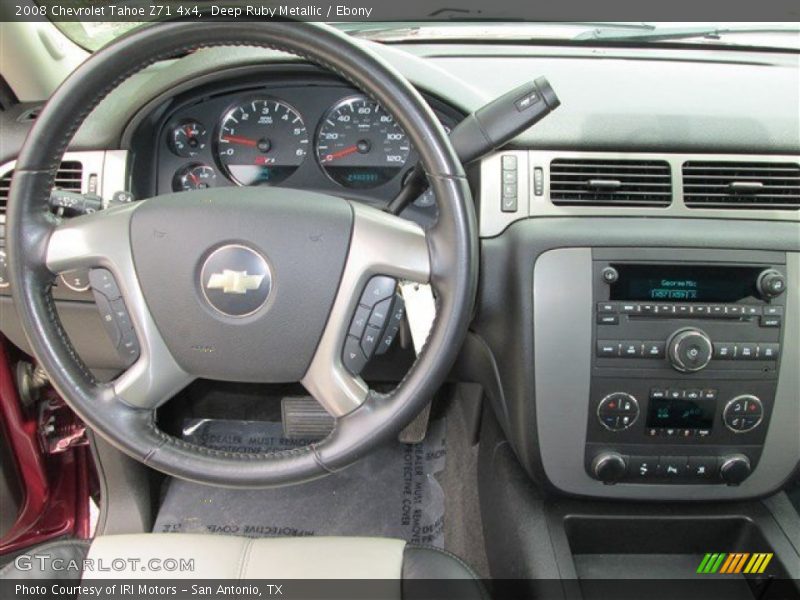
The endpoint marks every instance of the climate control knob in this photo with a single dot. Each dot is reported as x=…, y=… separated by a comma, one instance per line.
x=735, y=469
x=744, y=413
x=689, y=350
x=609, y=467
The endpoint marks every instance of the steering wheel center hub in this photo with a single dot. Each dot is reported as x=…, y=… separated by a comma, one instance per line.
x=236, y=280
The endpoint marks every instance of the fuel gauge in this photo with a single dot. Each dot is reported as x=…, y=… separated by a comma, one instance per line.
x=188, y=139
x=194, y=177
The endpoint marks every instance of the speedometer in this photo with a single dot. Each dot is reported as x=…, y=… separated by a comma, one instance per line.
x=359, y=145
x=261, y=141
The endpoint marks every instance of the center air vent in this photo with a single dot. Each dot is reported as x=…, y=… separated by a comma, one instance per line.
x=742, y=185
x=600, y=182
x=68, y=177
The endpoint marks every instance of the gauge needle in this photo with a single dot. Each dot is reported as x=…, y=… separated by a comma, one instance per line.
x=236, y=139
x=341, y=153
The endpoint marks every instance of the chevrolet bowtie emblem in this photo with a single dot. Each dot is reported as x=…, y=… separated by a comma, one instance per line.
x=234, y=282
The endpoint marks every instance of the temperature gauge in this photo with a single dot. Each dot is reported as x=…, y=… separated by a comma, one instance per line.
x=194, y=177
x=188, y=139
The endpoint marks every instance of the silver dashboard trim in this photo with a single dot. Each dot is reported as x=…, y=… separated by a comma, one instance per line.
x=493, y=221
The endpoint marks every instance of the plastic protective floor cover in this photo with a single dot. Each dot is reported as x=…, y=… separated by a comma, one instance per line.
x=392, y=492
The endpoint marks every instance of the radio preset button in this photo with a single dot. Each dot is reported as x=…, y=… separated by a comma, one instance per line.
x=724, y=350
x=631, y=349
x=768, y=351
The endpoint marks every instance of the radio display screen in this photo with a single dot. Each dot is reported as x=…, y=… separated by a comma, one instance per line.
x=681, y=414
x=684, y=283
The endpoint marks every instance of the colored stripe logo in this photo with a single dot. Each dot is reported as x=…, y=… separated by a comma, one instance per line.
x=734, y=563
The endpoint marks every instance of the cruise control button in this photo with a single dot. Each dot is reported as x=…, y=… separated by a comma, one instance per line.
x=107, y=316
x=121, y=315
x=103, y=281
x=352, y=356
x=378, y=288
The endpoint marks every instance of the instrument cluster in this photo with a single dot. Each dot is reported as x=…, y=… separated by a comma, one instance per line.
x=322, y=138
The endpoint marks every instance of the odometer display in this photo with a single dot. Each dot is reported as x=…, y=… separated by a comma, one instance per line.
x=261, y=142
x=359, y=145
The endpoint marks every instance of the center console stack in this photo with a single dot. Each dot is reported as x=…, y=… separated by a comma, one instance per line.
x=684, y=368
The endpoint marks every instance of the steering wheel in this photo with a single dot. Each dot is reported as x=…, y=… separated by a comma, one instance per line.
x=309, y=256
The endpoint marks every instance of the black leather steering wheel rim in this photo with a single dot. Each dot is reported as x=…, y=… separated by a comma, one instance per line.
x=452, y=245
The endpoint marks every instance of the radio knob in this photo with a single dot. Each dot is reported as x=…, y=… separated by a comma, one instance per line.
x=609, y=467
x=771, y=283
x=689, y=350
x=735, y=469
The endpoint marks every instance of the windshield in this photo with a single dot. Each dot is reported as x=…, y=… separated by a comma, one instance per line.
x=93, y=35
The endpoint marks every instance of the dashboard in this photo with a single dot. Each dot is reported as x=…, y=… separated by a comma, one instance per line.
x=552, y=341
x=311, y=133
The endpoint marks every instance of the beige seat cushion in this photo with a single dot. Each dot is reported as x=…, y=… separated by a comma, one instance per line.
x=227, y=557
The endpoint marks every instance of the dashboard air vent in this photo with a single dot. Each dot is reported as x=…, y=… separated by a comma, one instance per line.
x=601, y=182
x=69, y=177
x=742, y=185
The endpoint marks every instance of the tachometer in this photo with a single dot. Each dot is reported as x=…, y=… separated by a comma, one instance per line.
x=359, y=145
x=261, y=141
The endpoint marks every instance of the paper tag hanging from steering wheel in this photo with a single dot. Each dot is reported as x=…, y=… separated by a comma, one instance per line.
x=420, y=310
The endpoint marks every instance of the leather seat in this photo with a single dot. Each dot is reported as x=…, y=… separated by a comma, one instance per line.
x=160, y=556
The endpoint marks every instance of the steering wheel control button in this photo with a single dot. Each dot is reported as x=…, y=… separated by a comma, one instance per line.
x=380, y=313
x=359, y=322
x=235, y=280
x=743, y=413
x=77, y=280
x=690, y=350
x=352, y=356
x=369, y=341
x=103, y=282
x=618, y=411
x=114, y=315
x=396, y=315
x=378, y=288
